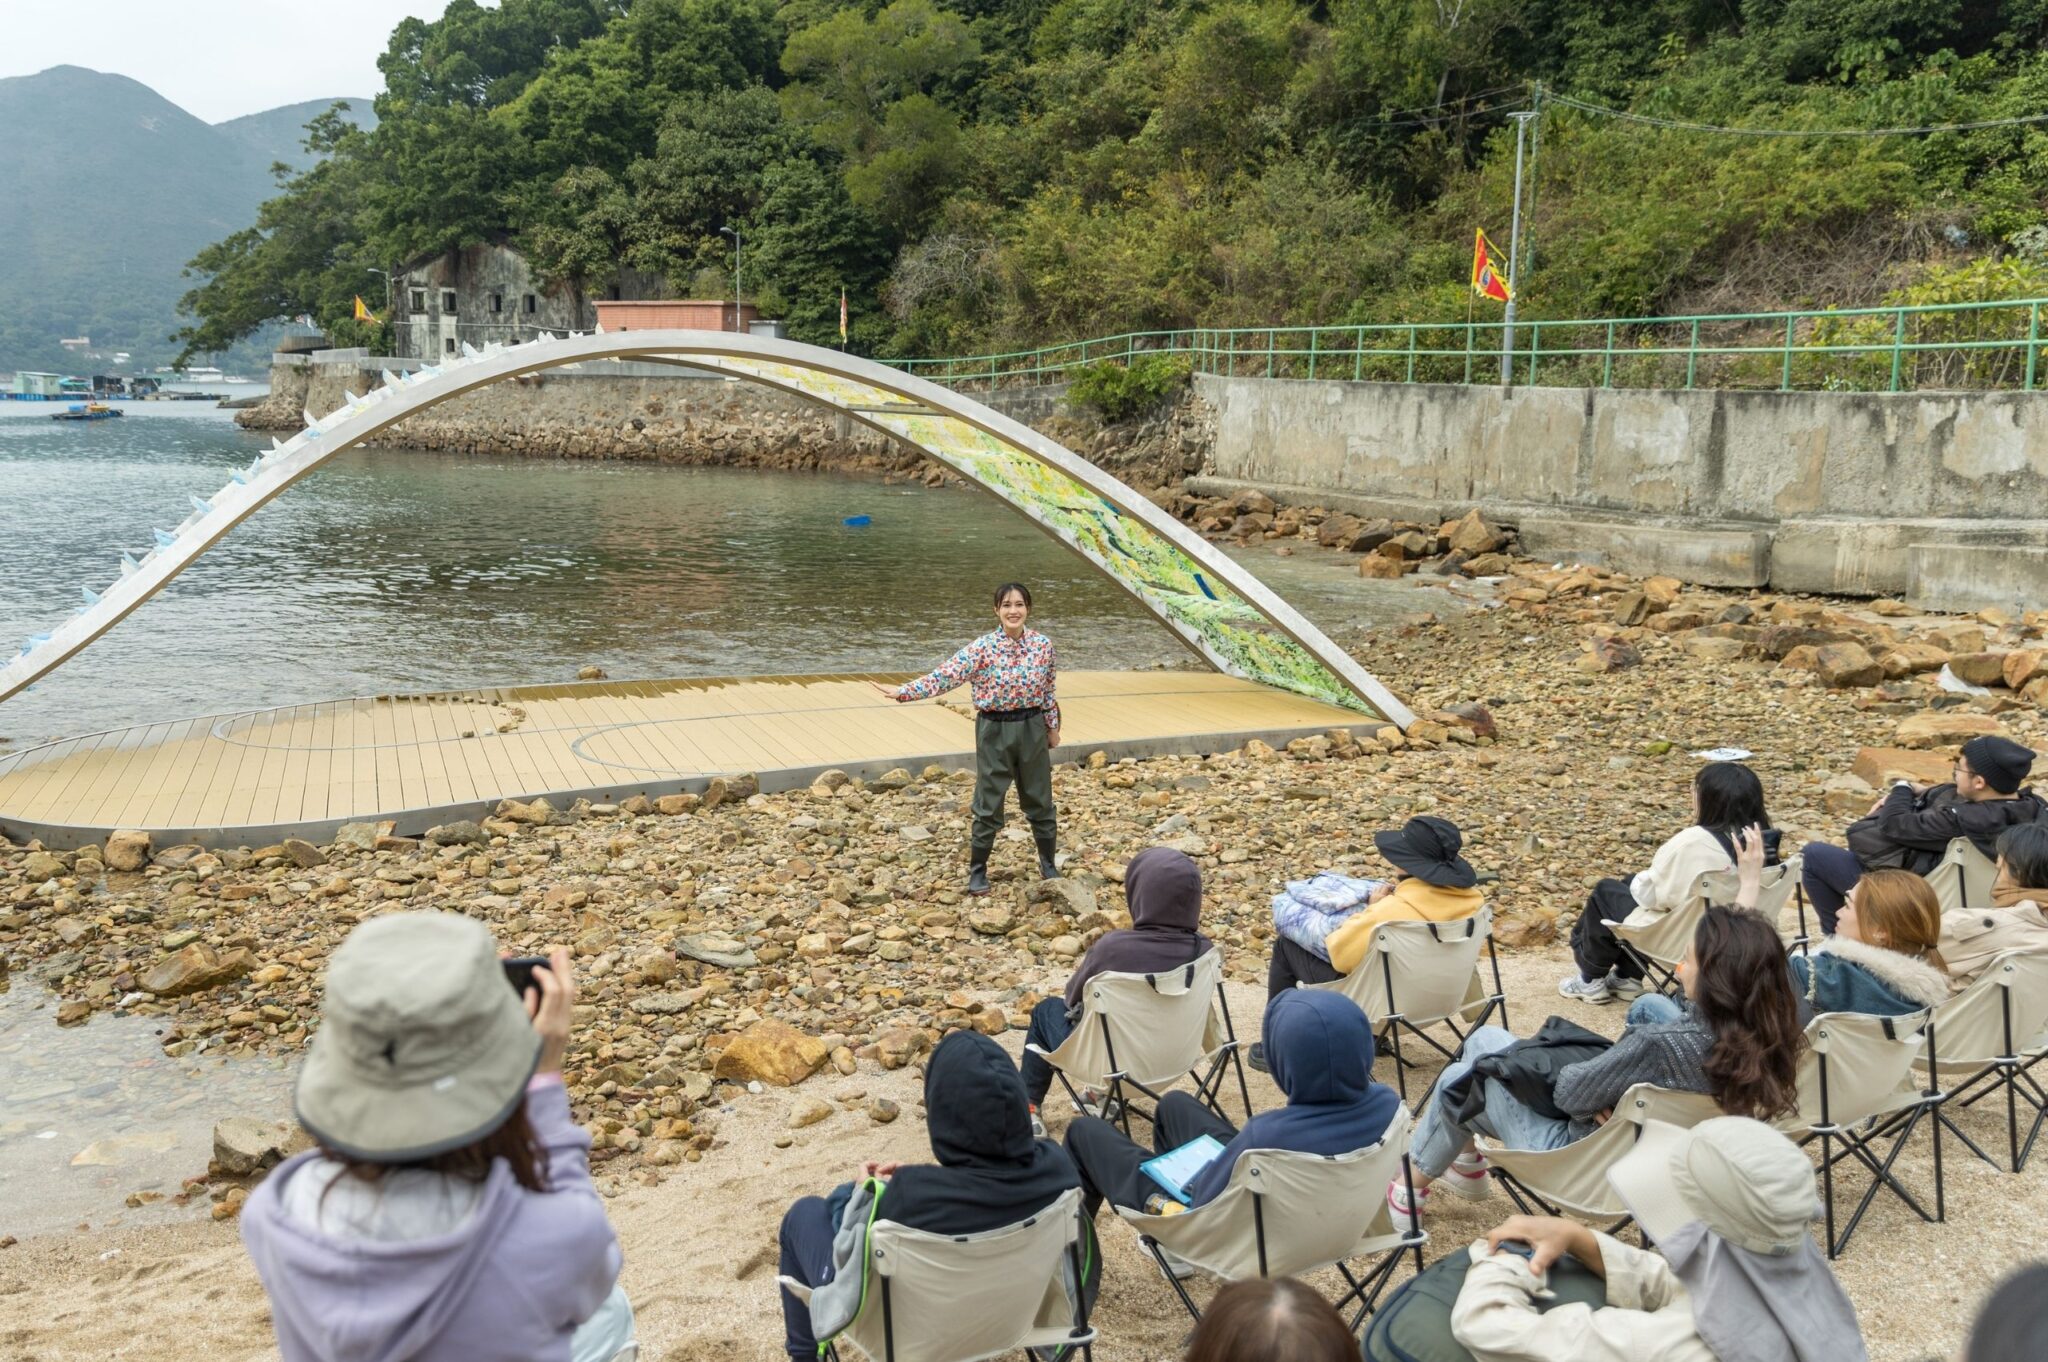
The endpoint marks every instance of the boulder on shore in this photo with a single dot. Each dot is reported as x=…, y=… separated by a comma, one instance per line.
x=195, y=968
x=771, y=1052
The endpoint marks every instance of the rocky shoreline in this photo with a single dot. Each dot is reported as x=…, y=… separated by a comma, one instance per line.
x=738, y=942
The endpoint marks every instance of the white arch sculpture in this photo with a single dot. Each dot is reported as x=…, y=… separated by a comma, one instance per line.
x=1216, y=607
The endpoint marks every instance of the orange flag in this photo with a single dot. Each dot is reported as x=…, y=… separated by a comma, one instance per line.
x=363, y=314
x=1486, y=280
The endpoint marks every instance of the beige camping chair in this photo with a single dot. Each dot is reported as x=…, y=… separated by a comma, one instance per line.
x=1284, y=1213
x=1420, y=974
x=1140, y=1033
x=1964, y=877
x=1573, y=1180
x=963, y=1297
x=1992, y=1031
x=1658, y=940
x=1856, y=1093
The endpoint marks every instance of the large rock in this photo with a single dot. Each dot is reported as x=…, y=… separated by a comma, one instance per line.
x=771, y=1052
x=1071, y=896
x=127, y=849
x=1474, y=536
x=900, y=1045
x=460, y=833
x=243, y=1145
x=1911, y=659
x=1979, y=669
x=1608, y=655
x=2022, y=667
x=1878, y=767
x=1335, y=532
x=42, y=865
x=717, y=948
x=1847, y=664
x=1780, y=639
x=1382, y=569
x=195, y=968
x=1946, y=728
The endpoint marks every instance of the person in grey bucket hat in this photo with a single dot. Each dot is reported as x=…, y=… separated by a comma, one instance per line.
x=1735, y=1275
x=448, y=1209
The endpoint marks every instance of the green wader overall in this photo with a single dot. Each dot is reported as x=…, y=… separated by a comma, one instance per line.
x=1005, y=750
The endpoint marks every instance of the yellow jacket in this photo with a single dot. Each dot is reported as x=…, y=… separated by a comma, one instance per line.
x=1413, y=900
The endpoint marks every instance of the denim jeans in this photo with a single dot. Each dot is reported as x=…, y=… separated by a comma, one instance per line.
x=1438, y=1139
x=1652, y=1008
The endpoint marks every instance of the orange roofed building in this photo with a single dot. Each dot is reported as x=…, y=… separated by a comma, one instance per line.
x=674, y=314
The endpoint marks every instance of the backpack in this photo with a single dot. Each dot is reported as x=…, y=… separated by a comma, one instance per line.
x=1415, y=1323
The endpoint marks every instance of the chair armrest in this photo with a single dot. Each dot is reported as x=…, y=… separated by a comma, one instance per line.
x=795, y=1288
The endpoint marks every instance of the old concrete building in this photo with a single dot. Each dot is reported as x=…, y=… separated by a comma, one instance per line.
x=482, y=293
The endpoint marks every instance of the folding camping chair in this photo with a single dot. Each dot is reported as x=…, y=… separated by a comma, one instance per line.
x=1283, y=1214
x=1964, y=877
x=1139, y=1033
x=1573, y=1180
x=1992, y=1030
x=965, y=1297
x=1419, y=974
x=1856, y=1092
x=1658, y=940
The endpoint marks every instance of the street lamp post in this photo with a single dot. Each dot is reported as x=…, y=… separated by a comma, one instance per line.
x=728, y=231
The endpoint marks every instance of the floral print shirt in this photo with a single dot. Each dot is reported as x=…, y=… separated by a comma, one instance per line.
x=1004, y=674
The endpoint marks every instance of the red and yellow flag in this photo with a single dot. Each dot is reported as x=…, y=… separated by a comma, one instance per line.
x=363, y=314
x=1487, y=280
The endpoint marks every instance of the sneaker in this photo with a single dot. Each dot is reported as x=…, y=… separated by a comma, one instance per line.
x=1037, y=1125
x=1584, y=990
x=1255, y=1055
x=1628, y=990
x=1407, y=1215
x=1099, y=1105
x=1468, y=1178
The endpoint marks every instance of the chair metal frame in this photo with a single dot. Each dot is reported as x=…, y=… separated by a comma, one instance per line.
x=1643, y=1102
x=1394, y=1022
x=1117, y=1094
x=1781, y=884
x=1840, y=1140
x=2011, y=1070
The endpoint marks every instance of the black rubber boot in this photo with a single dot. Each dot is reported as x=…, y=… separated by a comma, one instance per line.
x=1048, y=869
x=977, y=878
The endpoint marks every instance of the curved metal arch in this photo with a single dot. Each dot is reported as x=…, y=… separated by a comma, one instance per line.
x=1215, y=606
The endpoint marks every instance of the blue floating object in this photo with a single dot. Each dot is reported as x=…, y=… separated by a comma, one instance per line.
x=856, y=520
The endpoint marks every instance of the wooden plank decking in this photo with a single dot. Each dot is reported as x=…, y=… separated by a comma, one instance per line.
x=421, y=759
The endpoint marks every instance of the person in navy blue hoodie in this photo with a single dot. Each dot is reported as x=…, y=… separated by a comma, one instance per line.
x=1319, y=1046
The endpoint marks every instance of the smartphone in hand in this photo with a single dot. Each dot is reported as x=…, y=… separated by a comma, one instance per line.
x=519, y=971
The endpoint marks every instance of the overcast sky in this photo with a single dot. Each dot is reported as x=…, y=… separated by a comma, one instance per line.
x=217, y=59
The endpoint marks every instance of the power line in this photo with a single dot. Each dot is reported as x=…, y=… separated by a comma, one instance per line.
x=1585, y=107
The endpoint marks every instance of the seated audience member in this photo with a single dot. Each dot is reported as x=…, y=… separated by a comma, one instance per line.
x=1972, y=937
x=1281, y=1320
x=1735, y=1275
x=1164, y=890
x=990, y=1174
x=1910, y=826
x=1726, y=797
x=1433, y=883
x=448, y=1209
x=2013, y=1320
x=1882, y=958
x=1322, y=1054
x=1736, y=1038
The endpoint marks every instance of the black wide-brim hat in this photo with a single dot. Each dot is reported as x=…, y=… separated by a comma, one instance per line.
x=1427, y=848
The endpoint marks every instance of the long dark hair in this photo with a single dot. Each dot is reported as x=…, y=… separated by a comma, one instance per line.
x=1745, y=994
x=1731, y=798
x=2024, y=848
x=1281, y=1320
x=513, y=1142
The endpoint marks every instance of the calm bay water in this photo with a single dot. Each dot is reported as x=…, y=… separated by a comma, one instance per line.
x=389, y=570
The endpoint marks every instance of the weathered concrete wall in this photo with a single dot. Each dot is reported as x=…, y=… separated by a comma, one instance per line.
x=1841, y=492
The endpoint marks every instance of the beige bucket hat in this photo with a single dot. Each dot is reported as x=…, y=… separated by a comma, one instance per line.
x=1740, y=1178
x=423, y=1047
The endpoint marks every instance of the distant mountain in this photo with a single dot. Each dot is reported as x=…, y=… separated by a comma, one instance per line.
x=276, y=134
x=111, y=188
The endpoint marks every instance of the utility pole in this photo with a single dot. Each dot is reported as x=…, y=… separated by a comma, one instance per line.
x=727, y=231
x=1507, y=331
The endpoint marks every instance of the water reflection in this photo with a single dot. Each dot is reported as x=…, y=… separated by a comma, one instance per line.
x=90, y=1114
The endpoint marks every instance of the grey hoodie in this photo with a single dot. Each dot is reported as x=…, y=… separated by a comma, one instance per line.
x=510, y=1284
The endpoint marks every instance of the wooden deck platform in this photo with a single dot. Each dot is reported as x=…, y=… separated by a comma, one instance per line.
x=303, y=770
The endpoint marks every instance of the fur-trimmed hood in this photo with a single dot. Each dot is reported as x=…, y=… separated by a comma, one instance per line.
x=1911, y=980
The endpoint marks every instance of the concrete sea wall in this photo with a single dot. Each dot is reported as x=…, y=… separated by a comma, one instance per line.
x=1939, y=497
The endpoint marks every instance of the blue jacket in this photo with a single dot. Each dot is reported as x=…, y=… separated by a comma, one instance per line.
x=1852, y=976
x=1320, y=1048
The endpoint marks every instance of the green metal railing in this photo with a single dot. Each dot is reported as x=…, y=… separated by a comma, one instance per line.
x=1984, y=345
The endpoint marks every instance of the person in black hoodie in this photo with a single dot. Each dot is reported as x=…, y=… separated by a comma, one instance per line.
x=1910, y=826
x=1164, y=889
x=990, y=1173
x=1320, y=1047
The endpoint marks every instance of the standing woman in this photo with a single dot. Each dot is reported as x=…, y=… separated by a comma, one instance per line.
x=1016, y=726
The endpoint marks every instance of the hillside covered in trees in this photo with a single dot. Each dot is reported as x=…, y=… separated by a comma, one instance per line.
x=998, y=173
